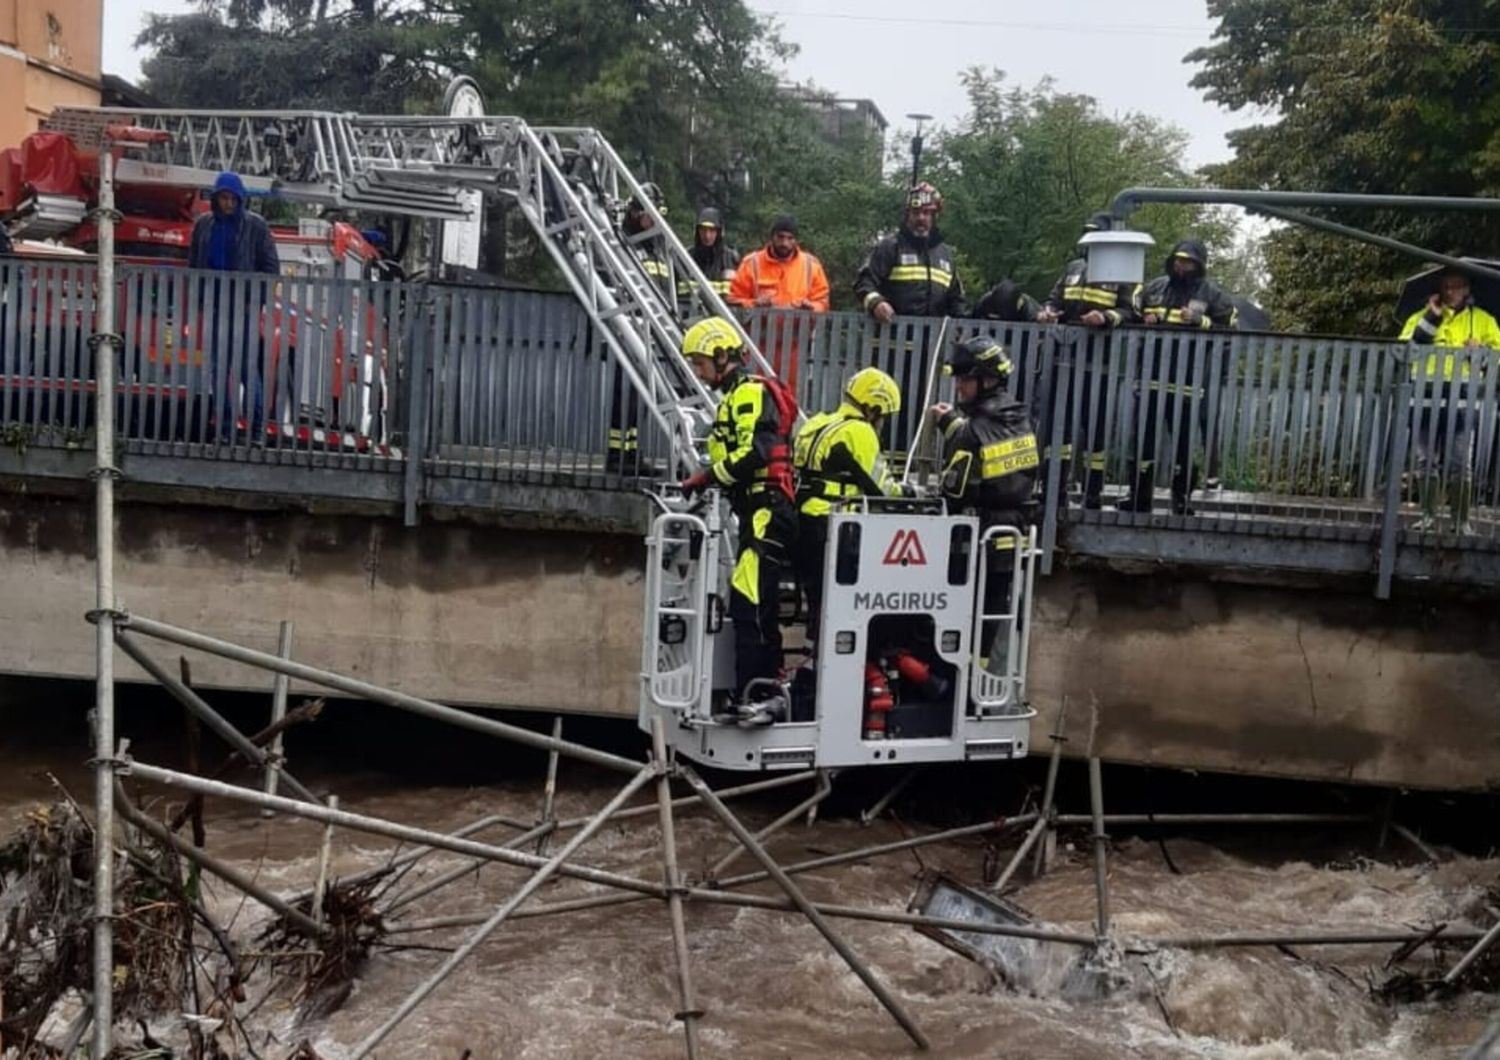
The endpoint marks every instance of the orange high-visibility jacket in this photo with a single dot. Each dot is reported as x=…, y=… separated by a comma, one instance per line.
x=799, y=277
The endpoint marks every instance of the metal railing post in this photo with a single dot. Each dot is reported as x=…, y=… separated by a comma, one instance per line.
x=415, y=385
x=1390, y=519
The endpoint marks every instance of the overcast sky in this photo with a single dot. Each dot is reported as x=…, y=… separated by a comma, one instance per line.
x=906, y=54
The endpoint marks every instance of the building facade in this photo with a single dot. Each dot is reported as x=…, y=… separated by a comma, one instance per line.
x=49, y=57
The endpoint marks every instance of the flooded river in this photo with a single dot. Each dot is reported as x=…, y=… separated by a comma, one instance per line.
x=601, y=983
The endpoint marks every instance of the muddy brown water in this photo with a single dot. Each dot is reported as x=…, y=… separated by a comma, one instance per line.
x=601, y=983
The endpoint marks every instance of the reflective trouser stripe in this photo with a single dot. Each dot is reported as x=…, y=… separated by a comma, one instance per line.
x=626, y=439
x=746, y=580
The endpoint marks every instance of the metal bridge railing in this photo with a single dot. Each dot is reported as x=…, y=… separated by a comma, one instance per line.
x=1361, y=440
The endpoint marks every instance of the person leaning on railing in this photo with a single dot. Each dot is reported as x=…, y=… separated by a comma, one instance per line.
x=1183, y=298
x=1450, y=321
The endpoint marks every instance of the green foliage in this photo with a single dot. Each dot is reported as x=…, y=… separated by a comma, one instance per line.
x=1028, y=166
x=1392, y=96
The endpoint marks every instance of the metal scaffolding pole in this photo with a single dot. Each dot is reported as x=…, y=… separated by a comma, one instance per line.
x=275, y=757
x=364, y=690
x=314, y=811
x=106, y=344
x=458, y=872
x=1101, y=849
x=798, y=899
x=687, y=1007
x=179, y=691
x=527, y=889
x=824, y=788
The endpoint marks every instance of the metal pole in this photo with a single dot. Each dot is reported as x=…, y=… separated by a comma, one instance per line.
x=1019, y=856
x=1473, y=955
x=212, y=718
x=324, y=853
x=106, y=344
x=798, y=899
x=1125, y=819
x=769, y=904
x=934, y=369
x=549, y=789
x=1346, y=938
x=1390, y=519
x=1049, y=789
x=883, y=848
x=692, y=800
x=363, y=689
x=228, y=873
x=825, y=786
x=868, y=817
x=316, y=811
x=437, y=883
x=541, y=876
x=1101, y=849
x=279, y=686
x=687, y=1009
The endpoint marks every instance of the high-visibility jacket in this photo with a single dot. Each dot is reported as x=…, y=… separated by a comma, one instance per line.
x=990, y=456
x=795, y=279
x=916, y=276
x=1074, y=294
x=837, y=457
x=1452, y=329
x=749, y=445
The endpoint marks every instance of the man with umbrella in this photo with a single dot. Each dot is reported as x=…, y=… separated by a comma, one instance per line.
x=1450, y=319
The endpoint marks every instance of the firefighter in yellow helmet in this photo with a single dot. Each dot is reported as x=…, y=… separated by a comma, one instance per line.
x=750, y=458
x=837, y=457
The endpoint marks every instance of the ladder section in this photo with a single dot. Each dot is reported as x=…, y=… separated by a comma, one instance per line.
x=304, y=155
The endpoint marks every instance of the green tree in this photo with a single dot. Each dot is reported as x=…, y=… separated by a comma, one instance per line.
x=1396, y=96
x=1027, y=166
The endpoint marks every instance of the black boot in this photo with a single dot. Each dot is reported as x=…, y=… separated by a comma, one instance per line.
x=1182, y=489
x=1140, y=499
x=1093, y=491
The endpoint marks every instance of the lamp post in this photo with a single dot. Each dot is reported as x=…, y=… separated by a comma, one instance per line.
x=916, y=146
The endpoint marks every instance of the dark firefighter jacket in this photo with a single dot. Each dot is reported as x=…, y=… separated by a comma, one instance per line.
x=1073, y=295
x=1168, y=295
x=718, y=263
x=1006, y=301
x=917, y=277
x=990, y=456
x=749, y=446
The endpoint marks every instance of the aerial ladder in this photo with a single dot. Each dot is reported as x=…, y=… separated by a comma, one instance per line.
x=569, y=184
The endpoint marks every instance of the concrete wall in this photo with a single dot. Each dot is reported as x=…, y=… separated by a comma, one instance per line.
x=49, y=57
x=1179, y=672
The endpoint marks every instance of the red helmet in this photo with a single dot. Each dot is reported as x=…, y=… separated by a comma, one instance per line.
x=923, y=196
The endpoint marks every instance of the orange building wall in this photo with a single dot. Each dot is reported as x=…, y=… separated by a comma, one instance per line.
x=49, y=56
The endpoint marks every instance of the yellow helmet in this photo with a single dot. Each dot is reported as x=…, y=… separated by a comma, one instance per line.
x=710, y=337
x=872, y=389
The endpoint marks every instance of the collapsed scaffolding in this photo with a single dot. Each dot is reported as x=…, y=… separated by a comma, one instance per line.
x=644, y=340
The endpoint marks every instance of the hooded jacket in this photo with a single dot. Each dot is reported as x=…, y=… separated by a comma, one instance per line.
x=1169, y=295
x=916, y=276
x=240, y=242
x=718, y=262
x=1006, y=301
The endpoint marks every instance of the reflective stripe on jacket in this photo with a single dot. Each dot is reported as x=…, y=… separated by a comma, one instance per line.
x=1453, y=329
x=837, y=457
x=796, y=279
x=1073, y=295
x=749, y=445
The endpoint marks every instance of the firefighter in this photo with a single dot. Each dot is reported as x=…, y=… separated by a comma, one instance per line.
x=912, y=274
x=990, y=458
x=1099, y=307
x=1452, y=321
x=710, y=253
x=1007, y=303
x=1182, y=298
x=624, y=452
x=749, y=451
x=837, y=458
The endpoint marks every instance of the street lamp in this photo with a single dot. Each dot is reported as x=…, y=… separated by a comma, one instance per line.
x=916, y=146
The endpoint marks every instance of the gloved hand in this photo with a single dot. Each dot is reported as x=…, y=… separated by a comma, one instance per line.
x=695, y=483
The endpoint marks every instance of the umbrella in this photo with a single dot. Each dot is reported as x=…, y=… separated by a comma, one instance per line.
x=1249, y=316
x=1422, y=286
